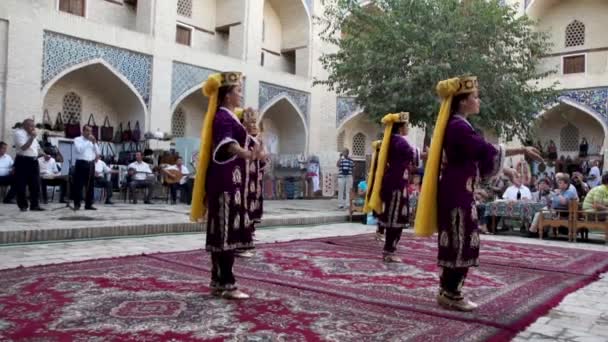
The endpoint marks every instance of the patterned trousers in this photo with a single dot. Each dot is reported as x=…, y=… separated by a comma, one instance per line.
x=451, y=281
x=393, y=235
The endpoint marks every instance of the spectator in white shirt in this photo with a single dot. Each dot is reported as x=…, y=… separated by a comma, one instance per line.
x=595, y=177
x=84, y=170
x=6, y=173
x=517, y=191
x=101, y=181
x=27, y=172
x=141, y=173
x=182, y=184
x=51, y=176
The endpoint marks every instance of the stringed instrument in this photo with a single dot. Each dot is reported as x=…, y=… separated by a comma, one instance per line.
x=171, y=176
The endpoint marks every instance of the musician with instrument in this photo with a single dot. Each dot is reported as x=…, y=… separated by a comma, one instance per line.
x=176, y=177
x=142, y=178
x=101, y=170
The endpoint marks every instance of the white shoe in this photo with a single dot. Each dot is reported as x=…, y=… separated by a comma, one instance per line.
x=380, y=237
x=464, y=304
x=391, y=259
x=234, y=294
x=244, y=254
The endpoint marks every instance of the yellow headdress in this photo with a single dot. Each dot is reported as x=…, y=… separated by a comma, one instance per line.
x=426, y=211
x=210, y=89
x=373, y=200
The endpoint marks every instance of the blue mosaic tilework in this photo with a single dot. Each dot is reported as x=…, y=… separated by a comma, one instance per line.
x=596, y=99
x=62, y=52
x=269, y=92
x=185, y=77
x=345, y=108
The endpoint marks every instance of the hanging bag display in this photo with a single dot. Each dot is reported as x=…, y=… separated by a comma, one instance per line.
x=107, y=131
x=72, y=129
x=59, y=126
x=46, y=121
x=94, y=127
x=118, y=135
x=136, y=133
x=126, y=134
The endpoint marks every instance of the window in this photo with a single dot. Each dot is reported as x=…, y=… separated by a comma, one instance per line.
x=183, y=35
x=574, y=64
x=359, y=143
x=569, y=138
x=72, y=107
x=75, y=7
x=178, y=123
x=575, y=34
x=184, y=8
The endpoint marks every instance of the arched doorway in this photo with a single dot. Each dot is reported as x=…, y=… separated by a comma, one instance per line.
x=95, y=88
x=188, y=114
x=357, y=134
x=567, y=123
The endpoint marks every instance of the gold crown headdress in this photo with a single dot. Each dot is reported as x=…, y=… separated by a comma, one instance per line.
x=230, y=78
x=468, y=84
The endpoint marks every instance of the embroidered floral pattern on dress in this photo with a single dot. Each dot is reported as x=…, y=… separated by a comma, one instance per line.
x=475, y=239
x=237, y=178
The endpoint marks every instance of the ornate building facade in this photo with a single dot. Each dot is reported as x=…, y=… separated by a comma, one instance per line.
x=580, y=56
x=144, y=61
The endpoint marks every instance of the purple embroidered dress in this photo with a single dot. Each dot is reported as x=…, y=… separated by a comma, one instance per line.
x=255, y=197
x=394, y=185
x=468, y=156
x=228, y=222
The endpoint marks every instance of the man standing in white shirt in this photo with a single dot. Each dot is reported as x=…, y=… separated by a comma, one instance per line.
x=595, y=177
x=101, y=170
x=27, y=172
x=86, y=151
x=140, y=179
x=6, y=173
x=182, y=184
x=517, y=191
x=50, y=175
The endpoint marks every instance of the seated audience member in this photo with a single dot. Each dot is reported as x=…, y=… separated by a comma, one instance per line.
x=101, y=181
x=141, y=178
x=51, y=176
x=544, y=192
x=559, y=199
x=414, y=187
x=517, y=191
x=581, y=187
x=6, y=173
x=181, y=183
x=597, y=198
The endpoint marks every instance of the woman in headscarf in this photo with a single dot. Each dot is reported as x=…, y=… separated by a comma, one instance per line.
x=220, y=189
x=447, y=204
x=388, y=194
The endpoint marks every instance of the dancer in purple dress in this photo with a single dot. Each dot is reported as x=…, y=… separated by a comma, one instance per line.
x=220, y=188
x=389, y=195
x=468, y=157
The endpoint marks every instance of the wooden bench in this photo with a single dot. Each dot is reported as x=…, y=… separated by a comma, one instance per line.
x=592, y=220
x=558, y=218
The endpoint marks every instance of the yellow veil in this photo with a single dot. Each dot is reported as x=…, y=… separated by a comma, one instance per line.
x=210, y=90
x=373, y=201
x=372, y=172
x=426, y=211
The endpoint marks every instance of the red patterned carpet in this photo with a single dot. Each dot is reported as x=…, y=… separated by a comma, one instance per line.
x=323, y=290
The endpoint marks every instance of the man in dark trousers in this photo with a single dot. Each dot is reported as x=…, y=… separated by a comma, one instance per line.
x=87, y=150
x=27, y=172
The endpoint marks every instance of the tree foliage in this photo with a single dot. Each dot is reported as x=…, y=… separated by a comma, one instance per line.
x=391, y=53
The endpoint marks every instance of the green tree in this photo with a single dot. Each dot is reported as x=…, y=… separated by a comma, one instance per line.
x=390, y=54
